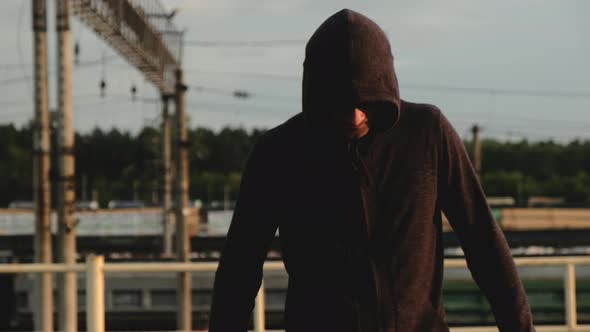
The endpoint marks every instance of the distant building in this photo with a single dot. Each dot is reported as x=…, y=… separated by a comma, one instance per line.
x=501, y=201
x=21, y=205
x=545, y=201
x=116, y=204
x=87, y=205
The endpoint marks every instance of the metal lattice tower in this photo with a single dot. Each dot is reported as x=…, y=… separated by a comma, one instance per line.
x=141, y=31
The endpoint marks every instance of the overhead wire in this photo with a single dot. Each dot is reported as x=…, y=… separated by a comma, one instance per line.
x=508, y=121
x=13, y=80
x=19, y=49
x=506, y=124
x=463, y=117
x=471, y=116
x=430, y=87
x=539, y=132
x=112, y=99
x=253, y=75
x=441, y=88
x=25, y=77
x=111, y=102
x=245, y=43
x=196, y=108
x=499, y=91
x=241, y=93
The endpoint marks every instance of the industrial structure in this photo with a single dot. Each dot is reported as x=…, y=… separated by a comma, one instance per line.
x=142, y=32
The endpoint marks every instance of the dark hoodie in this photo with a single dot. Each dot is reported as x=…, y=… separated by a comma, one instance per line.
x=360, y=222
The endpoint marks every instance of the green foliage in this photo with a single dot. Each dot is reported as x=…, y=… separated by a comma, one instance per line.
x=510, y=183
x=118, y=165
x=523, y=169
x=16, y=163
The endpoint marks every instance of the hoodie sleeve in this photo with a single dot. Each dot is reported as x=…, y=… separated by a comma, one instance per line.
x=487, y=253
x=251, y=231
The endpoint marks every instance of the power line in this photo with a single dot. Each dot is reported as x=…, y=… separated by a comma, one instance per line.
x=429, y=87
x=253, y=75
x=509, y=120
x=14, y=80
x=236, y=107
x=470, y=117
x=11, y=66
x=19, y=49
x=216, y=108
x=243, y=43
x=534, y=130
x=525, y=131
x=27, y=77
x=85, y=63
x=202, y=106
x=506, y=120
x=28, y=103
x=78, y=106
x=242, y=94
x=496, y=91
x=258, y=111
x=524, y=134
x=473, y=117
x=96, y=62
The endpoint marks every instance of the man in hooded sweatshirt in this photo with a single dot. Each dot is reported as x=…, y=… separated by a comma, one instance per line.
x=355, y=183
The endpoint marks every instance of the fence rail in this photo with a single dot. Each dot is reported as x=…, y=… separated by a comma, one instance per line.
x=95, y=270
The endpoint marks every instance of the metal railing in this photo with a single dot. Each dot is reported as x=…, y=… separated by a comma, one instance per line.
x=95, y=270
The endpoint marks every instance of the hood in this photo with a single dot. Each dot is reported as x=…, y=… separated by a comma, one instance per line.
x=348, y=63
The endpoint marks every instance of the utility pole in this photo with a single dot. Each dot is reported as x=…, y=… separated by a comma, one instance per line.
x=66, y=194
x=43, y=289
x=167, y=178
x=183, y=290
x=476, y=149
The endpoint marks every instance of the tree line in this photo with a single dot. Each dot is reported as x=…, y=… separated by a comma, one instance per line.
x=113, y=164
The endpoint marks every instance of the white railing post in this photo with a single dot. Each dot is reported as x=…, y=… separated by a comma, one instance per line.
x=259, y=310
x=95, y=293
x=569, y=283
x=95, y=270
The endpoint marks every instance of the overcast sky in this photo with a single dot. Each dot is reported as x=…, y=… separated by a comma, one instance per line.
x=517, y=68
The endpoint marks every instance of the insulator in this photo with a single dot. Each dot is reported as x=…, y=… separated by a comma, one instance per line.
x=133, y=92
x=77, y=53
x=103, y=87
x=241, y=94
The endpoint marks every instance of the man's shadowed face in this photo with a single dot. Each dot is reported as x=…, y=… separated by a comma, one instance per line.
x=351, y=125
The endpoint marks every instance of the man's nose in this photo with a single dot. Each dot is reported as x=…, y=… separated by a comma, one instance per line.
x=358, y=117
